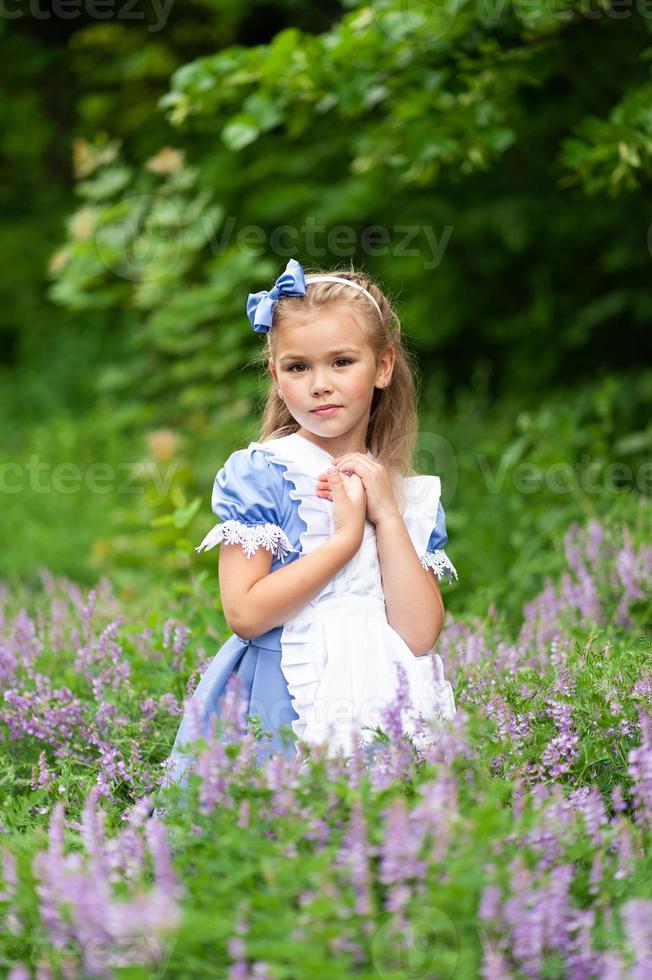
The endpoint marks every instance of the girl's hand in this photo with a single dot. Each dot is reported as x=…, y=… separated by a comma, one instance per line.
x=349, y=505
x=375, y=479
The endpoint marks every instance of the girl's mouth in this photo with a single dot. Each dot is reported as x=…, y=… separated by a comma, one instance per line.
x=326, y=411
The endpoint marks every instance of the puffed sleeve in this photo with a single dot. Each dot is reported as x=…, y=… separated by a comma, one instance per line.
x=246, y=497
x=435, y=557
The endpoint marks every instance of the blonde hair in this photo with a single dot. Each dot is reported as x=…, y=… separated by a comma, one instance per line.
x=393, y=419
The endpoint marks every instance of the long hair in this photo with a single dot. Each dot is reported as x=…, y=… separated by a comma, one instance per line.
x=393, y=421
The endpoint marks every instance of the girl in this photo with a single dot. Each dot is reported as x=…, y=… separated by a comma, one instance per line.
x=330, y=555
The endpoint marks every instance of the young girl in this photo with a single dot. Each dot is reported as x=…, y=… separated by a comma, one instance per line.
x=330, y=554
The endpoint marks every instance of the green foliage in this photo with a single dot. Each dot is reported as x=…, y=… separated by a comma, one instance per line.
x=614, y=154
x=445, y=131
x=279, y=859
x=514, y=478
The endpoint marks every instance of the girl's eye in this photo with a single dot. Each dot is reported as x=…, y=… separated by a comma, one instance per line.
x=339, y=360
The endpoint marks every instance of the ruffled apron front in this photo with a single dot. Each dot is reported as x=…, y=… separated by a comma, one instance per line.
x=340, y=657
x=339, y=653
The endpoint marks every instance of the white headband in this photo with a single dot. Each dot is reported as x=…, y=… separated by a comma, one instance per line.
x=347, y=282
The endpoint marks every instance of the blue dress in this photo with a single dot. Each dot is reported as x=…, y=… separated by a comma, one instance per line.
x=265, y=496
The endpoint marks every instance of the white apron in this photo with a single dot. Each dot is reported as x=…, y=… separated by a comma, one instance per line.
x=339, y=654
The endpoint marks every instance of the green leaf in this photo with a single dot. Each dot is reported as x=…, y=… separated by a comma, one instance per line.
x=240, y=132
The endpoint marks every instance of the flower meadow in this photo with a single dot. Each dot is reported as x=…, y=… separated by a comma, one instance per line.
x=514, y=842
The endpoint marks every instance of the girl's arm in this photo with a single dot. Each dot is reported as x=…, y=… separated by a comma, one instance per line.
x=255, y=600
x=415, y=608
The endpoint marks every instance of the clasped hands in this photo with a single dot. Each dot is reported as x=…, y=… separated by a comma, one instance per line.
x=381, y=503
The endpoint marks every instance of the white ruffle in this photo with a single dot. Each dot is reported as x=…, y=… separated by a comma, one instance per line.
x=441, y=564
x=422, y=493
x=303, y=660
x=300, y=474
x=250, y=536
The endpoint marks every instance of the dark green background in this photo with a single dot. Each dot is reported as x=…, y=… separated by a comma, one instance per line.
x=520, y=135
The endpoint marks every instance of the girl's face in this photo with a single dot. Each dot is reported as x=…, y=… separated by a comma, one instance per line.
x=328, y=361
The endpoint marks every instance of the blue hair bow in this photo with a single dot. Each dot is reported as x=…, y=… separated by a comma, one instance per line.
x=260, y=305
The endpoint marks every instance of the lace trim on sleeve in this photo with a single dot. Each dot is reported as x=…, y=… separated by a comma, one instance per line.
x=250, y=536
x=440, y=563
